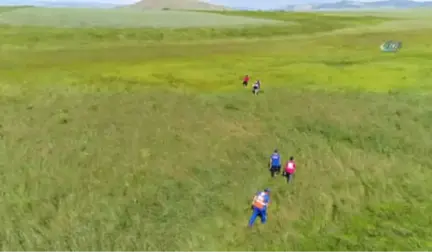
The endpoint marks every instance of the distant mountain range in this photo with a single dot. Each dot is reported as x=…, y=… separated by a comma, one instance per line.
x=355, y=5
x=177, y=4
x=69, y=4
x=144, y=4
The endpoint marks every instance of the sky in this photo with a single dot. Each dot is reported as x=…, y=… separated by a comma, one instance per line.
x=264, y=4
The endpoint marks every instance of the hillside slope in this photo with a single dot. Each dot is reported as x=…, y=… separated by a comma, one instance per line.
x=356, y=5
x=177, y=4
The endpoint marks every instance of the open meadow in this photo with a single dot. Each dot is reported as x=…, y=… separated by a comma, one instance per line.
x=140, y=136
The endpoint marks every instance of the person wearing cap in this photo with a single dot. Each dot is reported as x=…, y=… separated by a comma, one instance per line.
x=275, y=163
x=290, y=169
x=259, y=206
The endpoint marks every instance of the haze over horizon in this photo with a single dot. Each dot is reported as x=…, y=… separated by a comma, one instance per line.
x=230, y=3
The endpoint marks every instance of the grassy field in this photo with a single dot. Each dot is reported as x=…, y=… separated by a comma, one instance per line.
x=177, y=5
x=144, y=139
x=120, y=18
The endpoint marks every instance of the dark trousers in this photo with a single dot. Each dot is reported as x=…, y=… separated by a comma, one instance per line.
x=255, y=91
x=275, y=169
x=245, y=83
x=289, y=177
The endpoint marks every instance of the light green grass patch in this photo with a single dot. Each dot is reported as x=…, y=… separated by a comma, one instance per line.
x=394, y=13
x=70, y=17
x=331, y=62
x=11, y=8
x=404, y=19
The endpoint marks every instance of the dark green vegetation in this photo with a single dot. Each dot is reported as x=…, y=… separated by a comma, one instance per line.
x=297, y=24
x=110, y=141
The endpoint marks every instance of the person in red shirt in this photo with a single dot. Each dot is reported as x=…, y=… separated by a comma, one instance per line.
x=246, y=80
x=290, y=169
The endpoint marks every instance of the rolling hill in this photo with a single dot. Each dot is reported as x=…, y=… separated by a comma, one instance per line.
x=177, y=4
x=356, y=5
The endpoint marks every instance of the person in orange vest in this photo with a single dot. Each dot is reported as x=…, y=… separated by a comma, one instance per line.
x=259, y=206
x=290, y=169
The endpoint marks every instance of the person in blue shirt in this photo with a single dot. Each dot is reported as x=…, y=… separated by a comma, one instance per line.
x=275, y=163
x=259, y=207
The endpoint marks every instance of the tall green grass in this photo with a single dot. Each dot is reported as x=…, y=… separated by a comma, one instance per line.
x=167, y=171
x=110, y=143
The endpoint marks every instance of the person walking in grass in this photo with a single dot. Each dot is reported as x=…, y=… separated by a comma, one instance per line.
x=275, y=163
x=256, y=87
x=259, y=207
x=290, y=169
x=245, y=80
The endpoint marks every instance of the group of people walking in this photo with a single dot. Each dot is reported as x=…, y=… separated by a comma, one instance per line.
x=261, y=200
x=256, y=86
x=276, y=165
